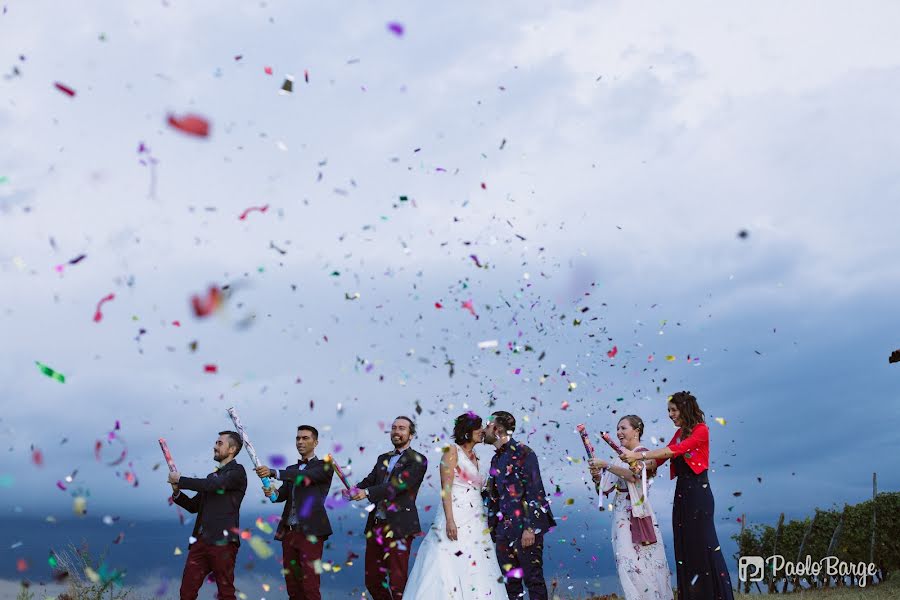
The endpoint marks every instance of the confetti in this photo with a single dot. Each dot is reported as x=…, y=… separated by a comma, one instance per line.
x=261, y=209
x=720, y=420
x=98, y=316
x=261, y=548
x=467, y=305
x=64, y=89
x=396, y=28
x=612, y=353
x=488, y=344
x=50, y=372
x=203, y=307
x=895, y=357
x=210, y=369
x=194, y=125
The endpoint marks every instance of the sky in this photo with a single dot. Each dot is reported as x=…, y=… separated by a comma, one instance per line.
x=579, y=171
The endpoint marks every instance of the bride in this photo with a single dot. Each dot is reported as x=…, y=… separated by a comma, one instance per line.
x=457, y=558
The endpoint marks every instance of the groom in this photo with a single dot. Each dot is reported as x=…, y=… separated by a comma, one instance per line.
x=518, y=512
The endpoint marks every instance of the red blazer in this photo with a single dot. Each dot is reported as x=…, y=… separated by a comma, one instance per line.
x=695, y=449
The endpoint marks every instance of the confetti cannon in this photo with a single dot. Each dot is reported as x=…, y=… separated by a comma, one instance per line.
x=337, y=469
x=167, y=455
x=249, y=447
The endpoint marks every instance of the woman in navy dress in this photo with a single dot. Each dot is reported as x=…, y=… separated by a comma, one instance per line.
x=699, y=563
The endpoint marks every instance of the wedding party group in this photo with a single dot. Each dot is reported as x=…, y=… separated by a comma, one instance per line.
x=488, y=534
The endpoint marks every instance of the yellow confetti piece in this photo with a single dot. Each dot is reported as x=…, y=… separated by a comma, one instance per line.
x=570, y=501
x=261, y=548
x=177, y=551
x=79, y=506
x=263, y=526
x=266, y=587
x=670, y=357
x=91, y=574
x=720, y=420
x=572, y=385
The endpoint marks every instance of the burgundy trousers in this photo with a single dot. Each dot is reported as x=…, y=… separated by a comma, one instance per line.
x=298, y=559
x=387, y=566
x=203, y=559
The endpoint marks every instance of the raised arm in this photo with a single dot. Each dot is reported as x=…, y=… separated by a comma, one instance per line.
x=228, y=481
x=188, y=503
x=370, y=479
x=314, y=473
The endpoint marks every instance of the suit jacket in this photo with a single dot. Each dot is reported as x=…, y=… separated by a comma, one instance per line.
x=218, y=503
x=305, y=491
x=515, y=495
x=396, y=492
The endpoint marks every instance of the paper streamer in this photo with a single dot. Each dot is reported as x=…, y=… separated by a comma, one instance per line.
x=248, y=446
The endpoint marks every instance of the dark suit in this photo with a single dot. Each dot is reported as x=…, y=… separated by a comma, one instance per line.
x=391, y=527
x=516, y=501
x=216, y=530
x=304, y=491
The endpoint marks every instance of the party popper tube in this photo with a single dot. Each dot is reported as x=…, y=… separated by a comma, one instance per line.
x=248, y=445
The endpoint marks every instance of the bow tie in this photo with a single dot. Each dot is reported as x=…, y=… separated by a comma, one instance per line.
x=303, y=461
x=396, y=452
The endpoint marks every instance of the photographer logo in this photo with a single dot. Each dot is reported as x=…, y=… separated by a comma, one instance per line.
x=753, y=568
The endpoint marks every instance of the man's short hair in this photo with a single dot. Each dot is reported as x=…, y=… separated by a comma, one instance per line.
x=234, y=439
x=412, y=425
x=311, y=429
x=504, y=420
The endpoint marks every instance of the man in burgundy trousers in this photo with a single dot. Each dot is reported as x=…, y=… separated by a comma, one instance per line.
x=304, y=525
x=392, y=487
x=216, y=536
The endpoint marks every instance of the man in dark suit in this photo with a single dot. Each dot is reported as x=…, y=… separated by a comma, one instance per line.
x=217, y=528
x=392, y=487
x=518, y=511
x=304, y=524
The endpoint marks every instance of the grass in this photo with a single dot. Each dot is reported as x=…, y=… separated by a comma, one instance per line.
x=889, y=590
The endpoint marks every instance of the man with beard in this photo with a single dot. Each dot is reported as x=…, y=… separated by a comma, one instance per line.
x=392, y=487
x=518, y=511
x=217, y=529
x=304, y=524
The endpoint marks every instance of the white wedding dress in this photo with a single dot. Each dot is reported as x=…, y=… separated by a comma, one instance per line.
x=465, y=569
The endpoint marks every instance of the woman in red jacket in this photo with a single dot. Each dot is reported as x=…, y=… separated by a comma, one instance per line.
x=699, y=564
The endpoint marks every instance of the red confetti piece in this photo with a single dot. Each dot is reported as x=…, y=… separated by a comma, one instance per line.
x=210, y=369
x=64, y=89
x=612, y=353
x=268, y=70
x=98, y=316
x=261, y=209
x=37, y=457
x=190, y=124
x=176, y=323
x=21, y=565
x=467, y=305
x=438, y=305
x=203, y=307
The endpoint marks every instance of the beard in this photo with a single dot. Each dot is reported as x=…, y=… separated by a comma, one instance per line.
x=488, y=438
x=399, y=441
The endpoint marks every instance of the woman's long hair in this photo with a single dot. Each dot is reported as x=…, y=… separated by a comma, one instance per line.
x=463, y=427
x=689, y=411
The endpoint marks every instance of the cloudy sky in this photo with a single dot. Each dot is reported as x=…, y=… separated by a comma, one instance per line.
x=578, y=171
